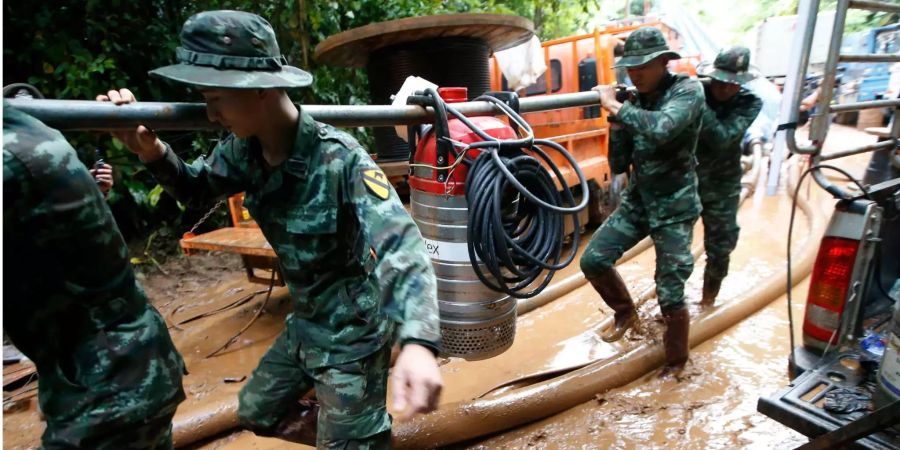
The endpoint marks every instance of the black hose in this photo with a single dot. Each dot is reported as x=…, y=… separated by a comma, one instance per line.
x=516, y=227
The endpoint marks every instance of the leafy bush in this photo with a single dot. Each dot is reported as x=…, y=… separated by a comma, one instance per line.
x=75, y=49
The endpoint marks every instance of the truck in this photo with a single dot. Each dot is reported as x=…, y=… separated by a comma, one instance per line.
x=770, y=55
x=844, y=374
x=863, y=82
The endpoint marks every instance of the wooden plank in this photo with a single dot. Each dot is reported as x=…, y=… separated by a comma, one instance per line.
x=243, y=241
x=14, y=373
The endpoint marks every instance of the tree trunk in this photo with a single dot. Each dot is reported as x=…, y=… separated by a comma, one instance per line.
x=538, y=18
x=304, y=35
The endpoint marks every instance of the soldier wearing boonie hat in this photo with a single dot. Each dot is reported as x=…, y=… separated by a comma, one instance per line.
x=350, y=254
x=232, y=50
x=645, y=45
x=728, y=112
x=656, y=140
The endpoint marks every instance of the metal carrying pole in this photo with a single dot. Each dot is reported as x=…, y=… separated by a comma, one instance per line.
x=86, y=115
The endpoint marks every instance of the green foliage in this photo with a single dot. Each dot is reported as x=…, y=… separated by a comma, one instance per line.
x=75, y=49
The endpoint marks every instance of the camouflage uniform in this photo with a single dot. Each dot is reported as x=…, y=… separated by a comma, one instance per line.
x=109, y=375
x=719, y=159
x=657, y=139
x=352, y=257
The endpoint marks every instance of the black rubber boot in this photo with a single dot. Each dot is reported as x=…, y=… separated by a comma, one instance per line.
x=300, y=423
x=675, y=339
x=613, y=291
x=711, y=288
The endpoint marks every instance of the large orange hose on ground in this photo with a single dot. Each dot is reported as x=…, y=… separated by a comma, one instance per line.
x=467, y=420
x=221, y=416
x=572, y=282
x=213, y=419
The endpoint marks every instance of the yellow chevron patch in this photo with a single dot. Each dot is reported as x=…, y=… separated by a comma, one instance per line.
x=377, y=183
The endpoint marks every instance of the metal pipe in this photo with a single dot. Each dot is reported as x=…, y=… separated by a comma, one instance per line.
x=883, y=145
x=877, y=58
x=875, y=6
x=894, y=126
x=872, y=104
x=790, y=103
x=819, y=126
x=84, y=115
x=895, y=133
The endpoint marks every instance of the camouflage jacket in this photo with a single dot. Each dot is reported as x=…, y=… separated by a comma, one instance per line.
x=719, y=147
x=71, y=302
x=658, y=137
x=352, y=257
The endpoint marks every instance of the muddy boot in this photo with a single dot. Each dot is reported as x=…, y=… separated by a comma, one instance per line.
x=710, y=290
x=678, y=323
x=300, y=423
x=614, y=292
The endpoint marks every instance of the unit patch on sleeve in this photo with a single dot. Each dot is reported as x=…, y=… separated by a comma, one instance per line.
x=376, y=183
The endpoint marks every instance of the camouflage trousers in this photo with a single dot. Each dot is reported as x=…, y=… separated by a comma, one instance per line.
x=623, y=229
x=351, y=396
x=117, y=390
x=720, y=227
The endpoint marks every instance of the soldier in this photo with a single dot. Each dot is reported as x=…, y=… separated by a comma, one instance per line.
x=109, y=376
x=729, y=110
x=353, y=259
x=657, y=138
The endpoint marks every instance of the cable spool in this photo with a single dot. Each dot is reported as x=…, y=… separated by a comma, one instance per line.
x=455, y=61
x=447, y=49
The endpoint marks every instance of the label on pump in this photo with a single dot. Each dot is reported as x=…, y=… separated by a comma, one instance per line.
x=447, y=251
x=890, y=365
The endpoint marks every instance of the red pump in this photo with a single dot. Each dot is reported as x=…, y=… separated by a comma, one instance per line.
x=427, y=149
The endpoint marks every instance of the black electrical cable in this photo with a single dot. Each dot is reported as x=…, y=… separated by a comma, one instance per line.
x=516, y=227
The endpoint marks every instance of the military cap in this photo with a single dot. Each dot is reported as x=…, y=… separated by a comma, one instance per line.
x=644, y=45
x=732, y=65
x=231, y=49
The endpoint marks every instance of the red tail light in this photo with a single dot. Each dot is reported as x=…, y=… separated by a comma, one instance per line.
x=828, y=288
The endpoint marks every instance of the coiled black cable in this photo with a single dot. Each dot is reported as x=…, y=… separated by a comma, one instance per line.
x=516, y=226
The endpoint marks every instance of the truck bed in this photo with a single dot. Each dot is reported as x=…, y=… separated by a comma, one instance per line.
x=801, y=405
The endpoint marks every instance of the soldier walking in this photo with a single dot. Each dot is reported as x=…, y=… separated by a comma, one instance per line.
x=350, y=254
x=728, y=112
x=657, y=139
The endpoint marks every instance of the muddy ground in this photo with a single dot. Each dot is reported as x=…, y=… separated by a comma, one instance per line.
x=712, y=407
